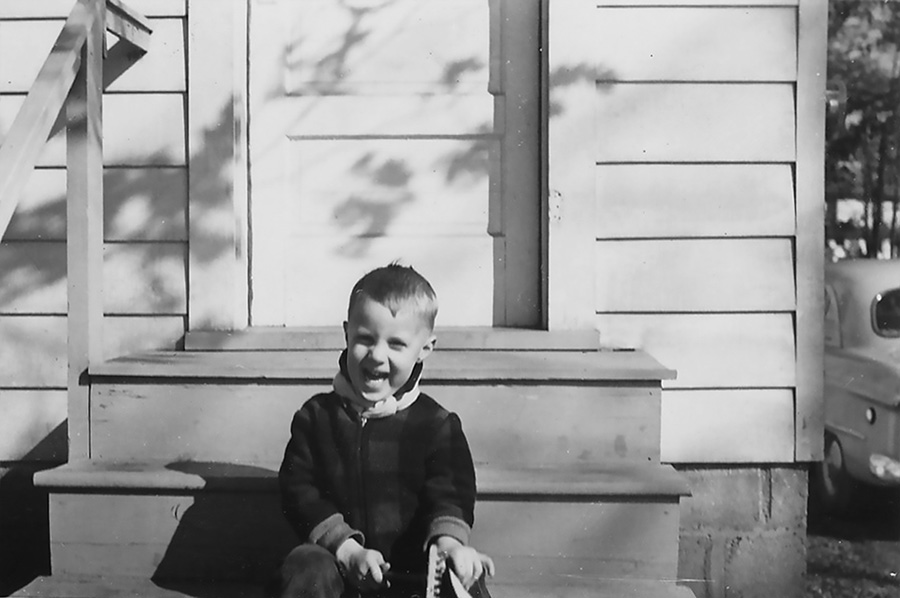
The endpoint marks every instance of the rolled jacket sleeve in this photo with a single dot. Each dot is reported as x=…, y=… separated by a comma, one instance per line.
x=450, y=483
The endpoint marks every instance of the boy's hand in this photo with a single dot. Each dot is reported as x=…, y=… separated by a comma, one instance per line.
x=362, y=567
x=468, y=564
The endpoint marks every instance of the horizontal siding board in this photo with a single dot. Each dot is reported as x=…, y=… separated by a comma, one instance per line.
x=25, y=45
x=695, y=122
x=145, y=278
x=25, y=9
x=33, y=347
x=141, y=204
x=694, y=275
x=694, y=200
x=697, y=44
x=139, y=129
x=33, y=425
x=33, y=351
x=710, y=350
x=728, y=426
x=138, y=278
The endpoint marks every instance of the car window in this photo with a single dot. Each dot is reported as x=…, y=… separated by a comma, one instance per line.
x=886, y=313
x=832, y=319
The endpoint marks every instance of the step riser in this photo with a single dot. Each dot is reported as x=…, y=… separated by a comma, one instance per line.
x=612, y=540
x=242, y=536
x=249, y=423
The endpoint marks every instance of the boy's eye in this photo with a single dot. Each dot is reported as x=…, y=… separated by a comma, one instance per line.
x=397, y=344
x=364, y=339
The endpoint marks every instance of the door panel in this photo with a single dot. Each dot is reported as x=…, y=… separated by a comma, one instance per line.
x=377, y=133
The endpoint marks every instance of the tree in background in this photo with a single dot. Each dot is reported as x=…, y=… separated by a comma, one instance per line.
x=863, y=127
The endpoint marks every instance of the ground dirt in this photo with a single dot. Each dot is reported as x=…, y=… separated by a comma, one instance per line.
x=856, y=556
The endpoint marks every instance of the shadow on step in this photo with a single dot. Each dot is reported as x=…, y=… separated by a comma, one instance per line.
x=24, y=521
x=233, y=531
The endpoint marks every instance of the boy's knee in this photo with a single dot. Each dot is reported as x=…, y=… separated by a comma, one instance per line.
x=308, y=571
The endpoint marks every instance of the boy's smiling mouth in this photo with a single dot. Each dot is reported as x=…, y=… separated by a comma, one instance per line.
x=374, y=375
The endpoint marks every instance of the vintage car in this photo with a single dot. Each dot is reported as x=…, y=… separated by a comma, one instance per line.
x=862, y=382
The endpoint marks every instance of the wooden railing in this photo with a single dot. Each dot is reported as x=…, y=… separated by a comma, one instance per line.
x=68, y=92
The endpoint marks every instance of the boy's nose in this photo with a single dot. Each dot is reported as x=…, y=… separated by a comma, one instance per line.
x=378, y=352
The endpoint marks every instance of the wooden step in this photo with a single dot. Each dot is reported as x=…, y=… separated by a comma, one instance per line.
x=60, y=586
x=518, y=408
x=223, y=521
x=331, y=338
x=443, y=366
x=82, y=586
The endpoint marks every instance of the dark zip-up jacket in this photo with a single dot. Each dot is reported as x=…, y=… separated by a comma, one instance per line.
x=392, y=483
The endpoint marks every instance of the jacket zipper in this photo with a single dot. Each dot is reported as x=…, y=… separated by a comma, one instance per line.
x=361, y=455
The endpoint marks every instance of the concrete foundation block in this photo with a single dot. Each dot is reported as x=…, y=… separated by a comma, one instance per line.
x=765, y=565
x=724, y=499
x=789, y=494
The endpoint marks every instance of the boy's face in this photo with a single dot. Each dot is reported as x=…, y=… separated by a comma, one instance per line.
x=383, y=349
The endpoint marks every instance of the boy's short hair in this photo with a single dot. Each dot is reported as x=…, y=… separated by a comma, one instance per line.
x=396, y=286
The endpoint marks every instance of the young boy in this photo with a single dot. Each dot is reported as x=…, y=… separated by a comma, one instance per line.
x=376, y=471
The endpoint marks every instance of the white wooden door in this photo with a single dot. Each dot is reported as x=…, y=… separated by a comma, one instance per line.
x=377, y=134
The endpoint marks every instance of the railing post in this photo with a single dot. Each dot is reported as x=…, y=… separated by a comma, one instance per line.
x=84, y=247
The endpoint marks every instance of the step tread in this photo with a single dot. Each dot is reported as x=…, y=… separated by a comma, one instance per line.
x=72, y=586
x=613, y=479
x=443, y=366
x=307, y=338
x=591, y=588
x=126, y=587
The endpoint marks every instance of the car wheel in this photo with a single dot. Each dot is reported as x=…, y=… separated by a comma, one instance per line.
x=833, y=488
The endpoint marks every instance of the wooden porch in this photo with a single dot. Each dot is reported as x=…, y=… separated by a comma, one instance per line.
x=179, y=494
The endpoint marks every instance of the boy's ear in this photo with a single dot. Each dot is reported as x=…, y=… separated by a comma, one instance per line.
x=427, y=348
x=346, y=341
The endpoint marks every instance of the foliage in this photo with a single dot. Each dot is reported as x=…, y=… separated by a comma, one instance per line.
x=863, y=129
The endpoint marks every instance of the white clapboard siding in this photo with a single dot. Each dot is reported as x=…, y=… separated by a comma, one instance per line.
x=32, y=351
x=23, y=9
x=694, y=275
x=334, y=48
x=727, y=426
x=25, y=45
x=139, y=129
x=694, y=200
x=695, y=122
x=697, y=44
x=138, y=278
x=33, y=347
x=33, y=425
x=140, y=204
x=462, y=276
x=710, y=350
